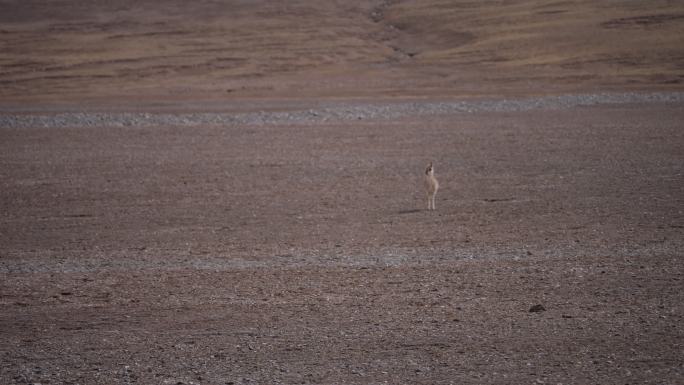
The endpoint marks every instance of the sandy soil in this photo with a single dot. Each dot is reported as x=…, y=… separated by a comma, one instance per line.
x=168, y=249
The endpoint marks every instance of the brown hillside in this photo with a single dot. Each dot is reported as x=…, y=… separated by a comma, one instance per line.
x=68, y=49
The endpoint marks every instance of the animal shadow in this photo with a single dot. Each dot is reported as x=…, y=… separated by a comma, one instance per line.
x=413, y=211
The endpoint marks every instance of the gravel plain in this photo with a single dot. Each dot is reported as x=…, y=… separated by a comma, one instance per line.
x=231, y=192
x=267, y=247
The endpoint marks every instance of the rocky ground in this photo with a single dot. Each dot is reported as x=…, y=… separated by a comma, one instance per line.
x=231, y=192
x=326, y=111
x=299, y=251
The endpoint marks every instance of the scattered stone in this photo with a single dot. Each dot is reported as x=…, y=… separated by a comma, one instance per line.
x=334, y=112
x=537, y=308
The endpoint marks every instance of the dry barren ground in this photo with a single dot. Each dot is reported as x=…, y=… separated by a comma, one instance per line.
x=231, y=193
x=286, y=253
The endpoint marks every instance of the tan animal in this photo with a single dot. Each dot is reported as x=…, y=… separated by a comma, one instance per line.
x=431, y=185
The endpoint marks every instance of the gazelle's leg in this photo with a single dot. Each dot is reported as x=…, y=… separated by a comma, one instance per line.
x=429, y=201
x=433, y=201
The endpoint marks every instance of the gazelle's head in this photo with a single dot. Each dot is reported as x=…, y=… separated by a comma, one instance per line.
x=430, y=170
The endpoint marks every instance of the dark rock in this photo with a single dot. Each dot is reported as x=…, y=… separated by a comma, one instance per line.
x=537, y=308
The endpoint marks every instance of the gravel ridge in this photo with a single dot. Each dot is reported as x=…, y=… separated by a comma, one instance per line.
x=334, y=112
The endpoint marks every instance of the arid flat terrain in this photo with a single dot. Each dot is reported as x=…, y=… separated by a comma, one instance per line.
x=232, y=192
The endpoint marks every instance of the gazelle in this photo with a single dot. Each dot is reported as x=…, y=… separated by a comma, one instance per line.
x=431, y=185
